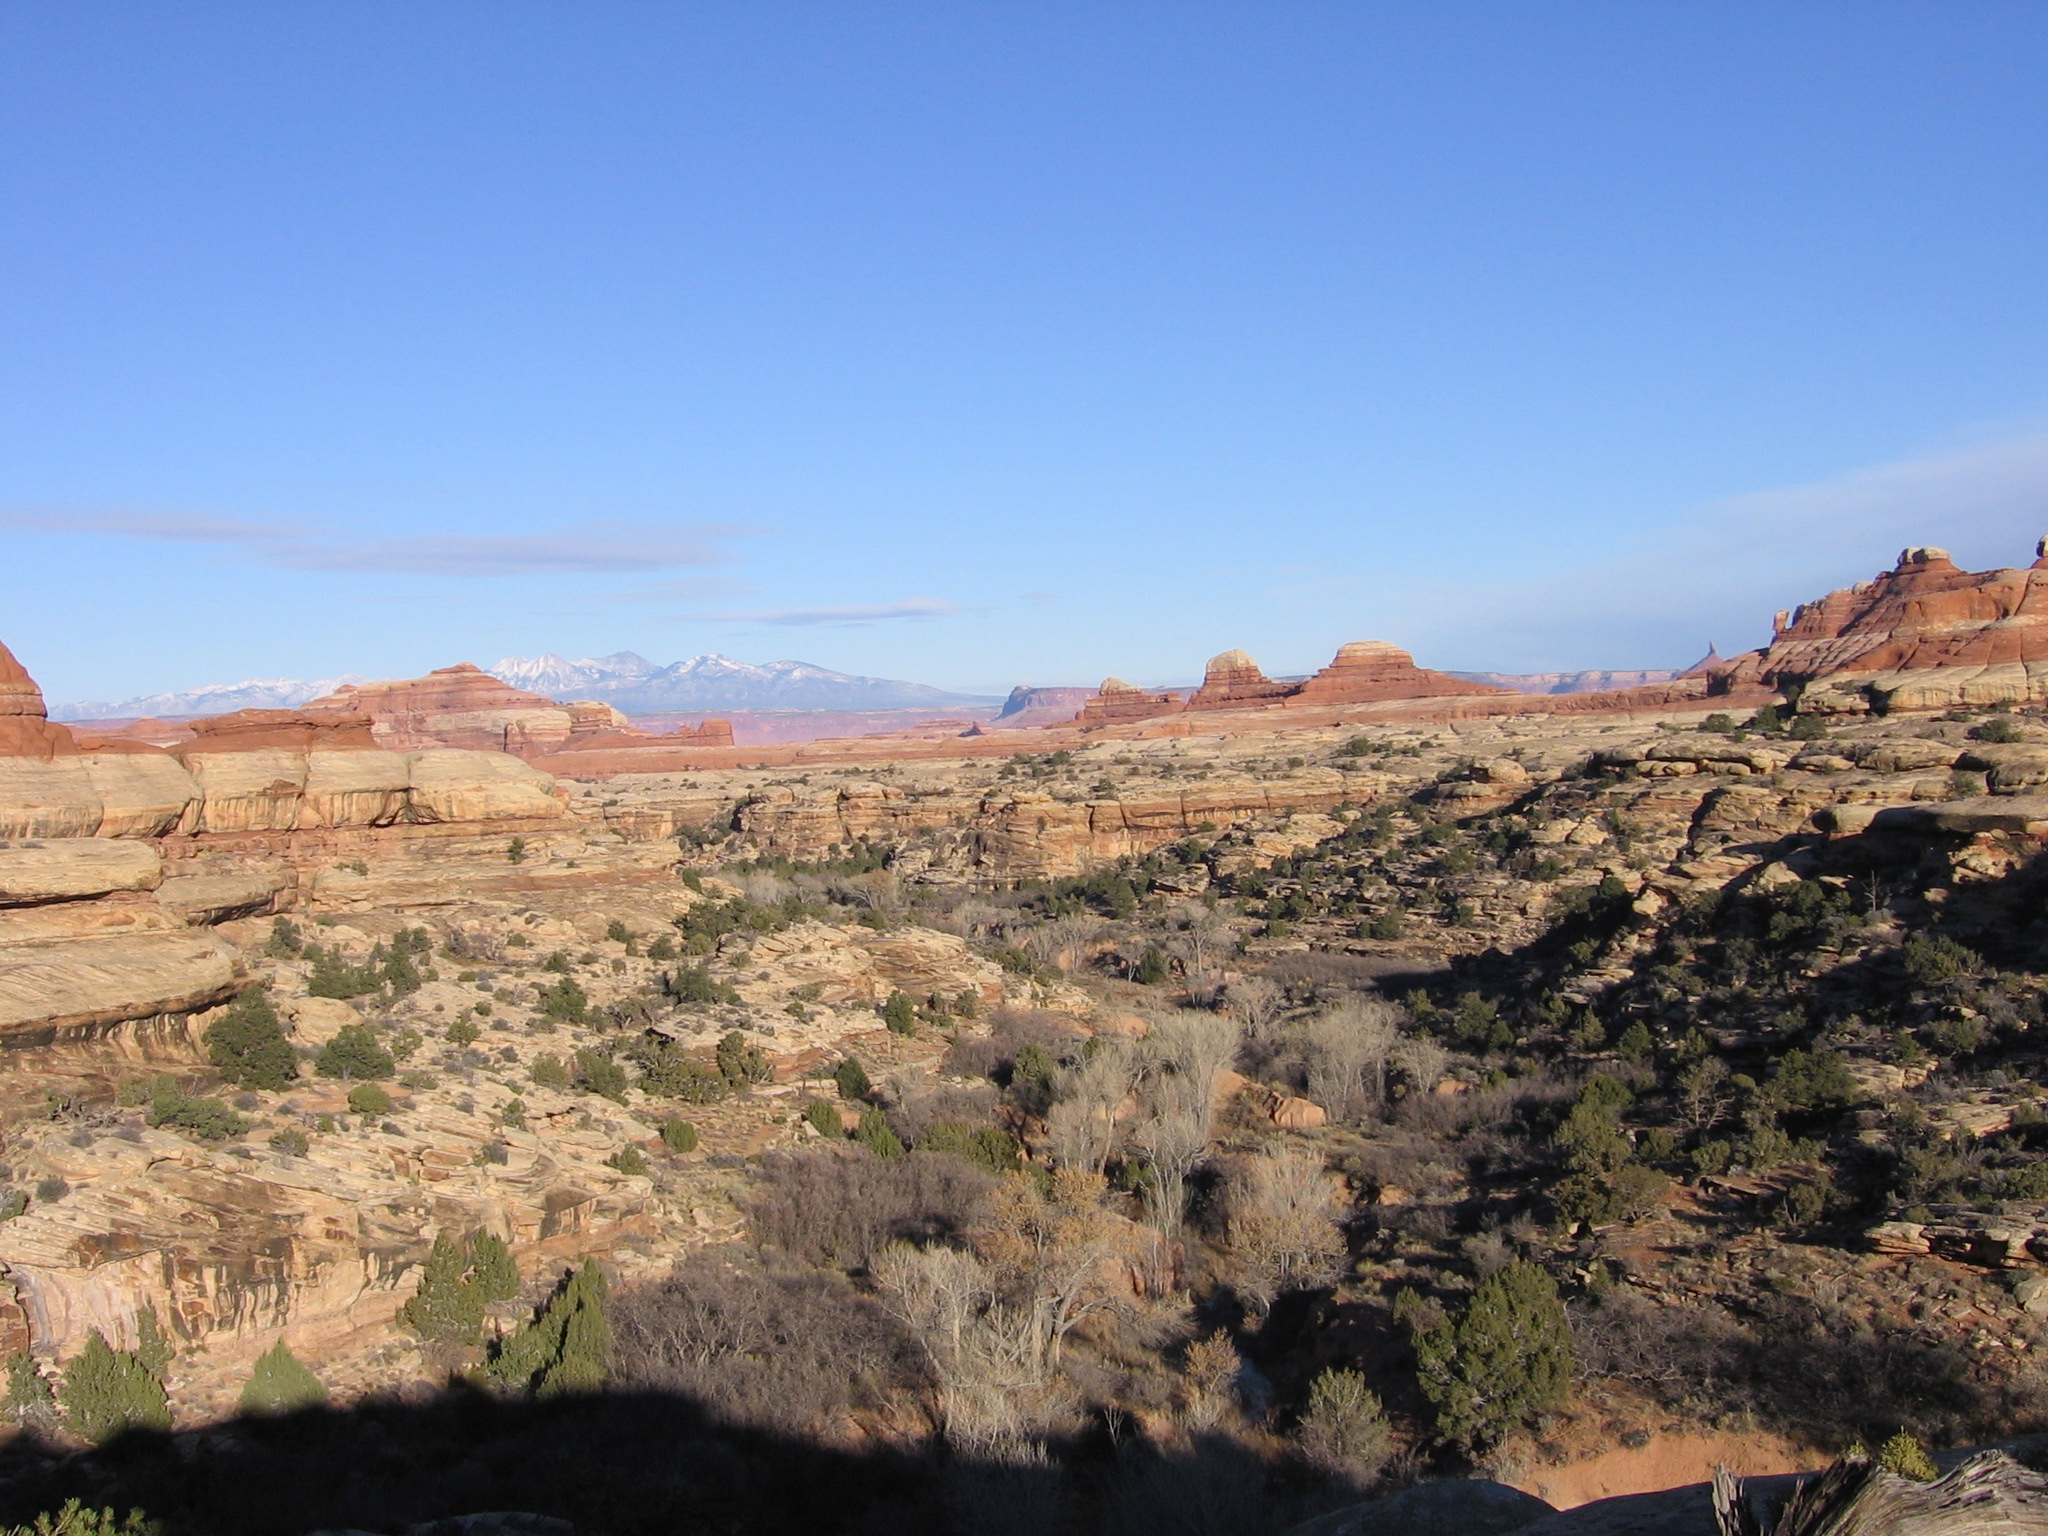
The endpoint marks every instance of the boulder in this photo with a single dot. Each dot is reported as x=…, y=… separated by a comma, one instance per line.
x=316, y=1020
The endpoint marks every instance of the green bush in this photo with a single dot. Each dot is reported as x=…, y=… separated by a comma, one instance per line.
x=492, y=1269
x=1908, y=1458
x=354, y=1053
x=679, y=1135
x=30, y=1402
x=628, y=1160
x=1505, y=1360
x=852, y=1079
x=448, y=1308
x=1999, y=728
x=107, y=1391
x=333, y=976
x=875, y=1134
x=151, y=1347
x=1344, y=1429
x=669, y=1069
x=286, y=942
x=462, y=1032
x=741, y=1063
x=281, y=1383
x=824, y=1120
x=549, y=1072
x=900, y=1013
x=1931, y=959
x=597, y=1073
x=988, y=1145
x=1152, y=969
x=248, y=1045
x=197, y=1116
x=565, y=1001
x=75, y=1519
x=291, y=1141
x=567, y=1348
x=695, y=984
x=368, y=1099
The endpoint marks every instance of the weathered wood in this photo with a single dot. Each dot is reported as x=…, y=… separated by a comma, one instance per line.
x=1988, y=1495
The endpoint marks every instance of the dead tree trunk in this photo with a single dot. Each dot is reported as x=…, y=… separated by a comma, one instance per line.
x=1988, y=1495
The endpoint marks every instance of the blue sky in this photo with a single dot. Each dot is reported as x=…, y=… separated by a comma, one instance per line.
x=995, y=343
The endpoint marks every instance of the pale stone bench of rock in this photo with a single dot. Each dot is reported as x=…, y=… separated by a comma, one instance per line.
x=46, y=989
x=75, y=869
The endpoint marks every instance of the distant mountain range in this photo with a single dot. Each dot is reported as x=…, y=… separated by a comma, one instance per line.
x=638, y=686
x=626, y=681
x=212, y=699
x=1572, y=682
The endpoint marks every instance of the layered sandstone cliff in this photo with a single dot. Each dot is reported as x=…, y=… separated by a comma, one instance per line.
x=1924, y=635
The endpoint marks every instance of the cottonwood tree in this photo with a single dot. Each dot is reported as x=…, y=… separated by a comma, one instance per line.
x=1081, y=1125
x=1282, y=1224
x=1348, y=1048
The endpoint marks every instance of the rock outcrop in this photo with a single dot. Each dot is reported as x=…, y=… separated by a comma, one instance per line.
x=1366, y=671
x=1233, y=681
x=1117, y=702
x=1923, y=635
x=460, y=706
x=25, y=728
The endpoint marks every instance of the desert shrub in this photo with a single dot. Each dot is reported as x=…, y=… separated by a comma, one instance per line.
x=1630, y=1193
x=281, y=1383
x=1905, y=1455
x=695, y=984
x=151, y=1347
x=1507, y=1358
x=567, y=1348
x=740, y=1062
x=761, y=1340
x=13, y=1202
x=286, y=941
x=52, y=1189
x=448, y=1308
x=368, y=1099
x=248, y=1045
x=30, y=1402
x=679, y=1135
x=828, y=1207
x=851, y=1079
x=565, y=1000
x=899, y=1013
x=333, y=976
x=195, y=1115
x=462, y=1032
x=876, y=1134
x=1999, y=728
x=824, y=1119
x=75, y=1519
x=629, y=1160
x=597, y=1073
x=670, y=1070
x=548, y=1071
x=1344, y=1429
x=1282, y=1231
x=108, y=1390
x=1931, y=959
x=354, y=1053
x=990, y=1146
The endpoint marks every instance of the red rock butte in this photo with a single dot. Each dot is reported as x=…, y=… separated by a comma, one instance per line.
x=1924, y=635
x=25, y=728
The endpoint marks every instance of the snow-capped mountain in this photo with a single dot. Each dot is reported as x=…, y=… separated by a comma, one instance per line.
x=211, y=699
x=634, y=684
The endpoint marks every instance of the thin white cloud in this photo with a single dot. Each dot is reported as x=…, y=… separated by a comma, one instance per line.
x=588, y=548
x=1721, y=573
x=908, y=608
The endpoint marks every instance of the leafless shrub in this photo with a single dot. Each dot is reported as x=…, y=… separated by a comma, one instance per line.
x=760, y=1340
x=1081, y=1127
x=1282, y=1224
x=1009, y=1031
x=1488, y=1253
x=1345, y=1430
x=1422, y=1061
x=1347, y=1048
x=839, y=1207
x=1173, y=1142
x=1258, y=1002
x=949, y=1103
x=1320, y=976
x=1208, y=1382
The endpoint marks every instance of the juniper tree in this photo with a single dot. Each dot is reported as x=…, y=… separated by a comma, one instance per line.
x=354, y=1052
x=248, y=1045
x=491, y=1268
x=448, y=1308
x=30, y=1402
x=108, y=1390
x=1506, y=1359
x=281, y=1383
x=567, y=1348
